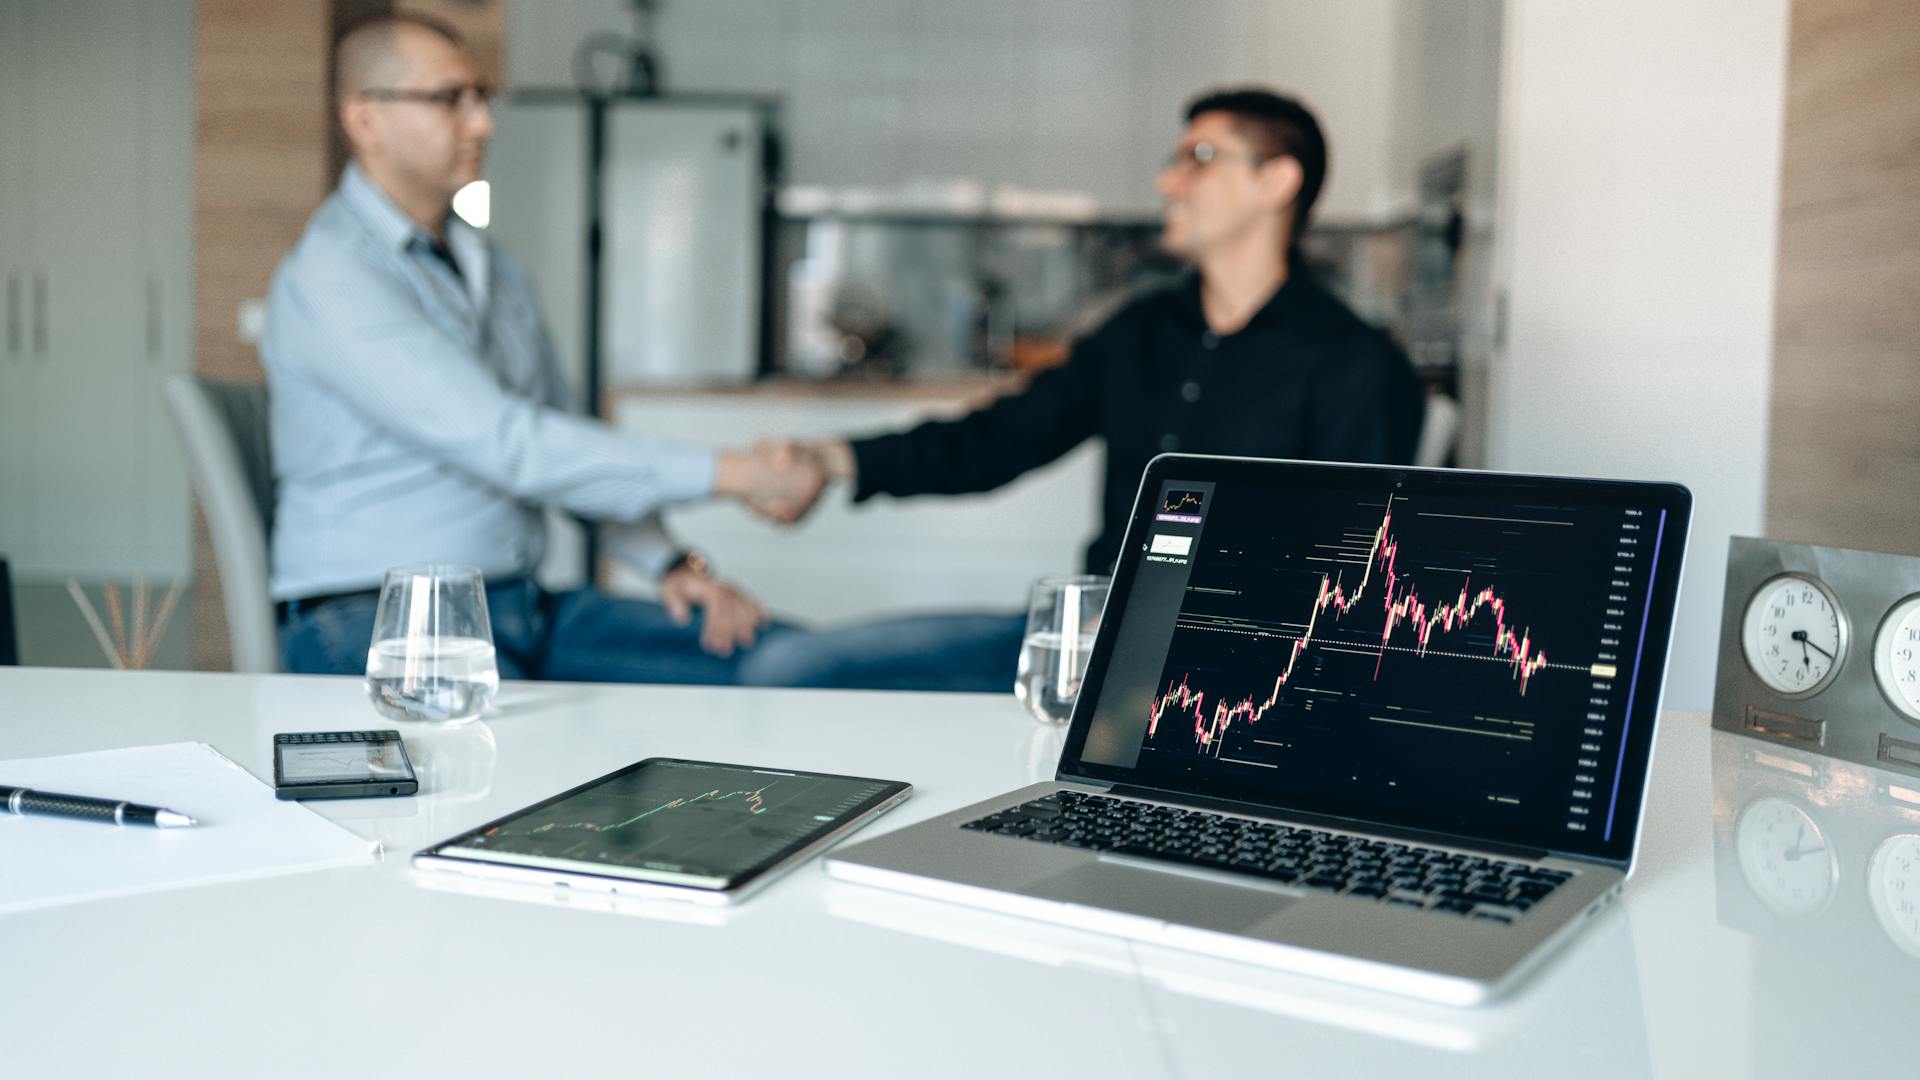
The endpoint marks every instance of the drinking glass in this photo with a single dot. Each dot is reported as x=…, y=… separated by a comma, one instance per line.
x=1062, y=615
x=431, y=659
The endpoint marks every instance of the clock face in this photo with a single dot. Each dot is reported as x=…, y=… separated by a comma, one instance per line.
x=1893, y=885
x=1896, y=657
x=1785, y=856
x=1794, y=635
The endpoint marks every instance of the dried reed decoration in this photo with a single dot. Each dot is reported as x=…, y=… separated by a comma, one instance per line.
x=133, y=639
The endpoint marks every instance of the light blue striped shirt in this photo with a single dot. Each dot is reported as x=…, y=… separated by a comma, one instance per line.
x=419, y=415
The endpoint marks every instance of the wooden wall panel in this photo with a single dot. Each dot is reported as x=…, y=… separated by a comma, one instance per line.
x=1844, y=453
x=260, y=89
x=260, y=169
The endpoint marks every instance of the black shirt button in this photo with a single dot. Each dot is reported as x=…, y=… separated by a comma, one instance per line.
x=1190, y=392
x=1209, y=340
x=1169, y=442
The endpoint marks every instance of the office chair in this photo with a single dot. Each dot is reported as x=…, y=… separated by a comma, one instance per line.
x=9, y=640
x=223, y=426
x=1438, y=431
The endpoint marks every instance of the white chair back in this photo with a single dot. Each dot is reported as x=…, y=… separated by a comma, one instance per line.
x=224, y=429
x=1438, y=432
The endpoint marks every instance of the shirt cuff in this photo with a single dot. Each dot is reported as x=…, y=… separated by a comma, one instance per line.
x=869, y=467
x=687, y=473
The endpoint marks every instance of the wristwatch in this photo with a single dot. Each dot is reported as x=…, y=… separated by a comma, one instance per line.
x=690, y=560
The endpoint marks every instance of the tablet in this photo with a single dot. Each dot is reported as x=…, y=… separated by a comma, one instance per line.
x=693, y=830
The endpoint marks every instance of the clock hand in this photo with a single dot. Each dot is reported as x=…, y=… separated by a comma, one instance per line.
x=1806, y=643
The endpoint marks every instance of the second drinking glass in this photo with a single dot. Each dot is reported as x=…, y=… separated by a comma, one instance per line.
x=1062, y=615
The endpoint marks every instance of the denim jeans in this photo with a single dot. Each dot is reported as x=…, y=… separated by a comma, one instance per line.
x=977, y=652
x=578, y=636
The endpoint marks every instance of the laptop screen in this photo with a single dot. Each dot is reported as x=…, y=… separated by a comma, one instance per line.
x=1469, y=654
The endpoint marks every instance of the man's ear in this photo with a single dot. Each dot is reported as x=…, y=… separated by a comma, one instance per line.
x=356, y=119
x=1280, y=180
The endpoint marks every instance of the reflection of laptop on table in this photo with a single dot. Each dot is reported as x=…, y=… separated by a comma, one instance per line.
x=1387, y=726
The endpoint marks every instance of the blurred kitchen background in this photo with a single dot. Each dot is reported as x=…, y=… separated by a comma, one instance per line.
x=903, y=189
x=1633, y=238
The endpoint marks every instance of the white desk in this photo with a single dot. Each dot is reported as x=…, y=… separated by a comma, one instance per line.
x=368, y=971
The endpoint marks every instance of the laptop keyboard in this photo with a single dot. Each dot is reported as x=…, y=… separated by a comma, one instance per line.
x=1450, y=882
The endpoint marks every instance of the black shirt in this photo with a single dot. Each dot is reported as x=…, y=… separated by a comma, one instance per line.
x=1305, y=378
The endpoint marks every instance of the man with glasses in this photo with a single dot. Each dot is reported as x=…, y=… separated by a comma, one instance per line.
x=1246, y=355
x=419, y=415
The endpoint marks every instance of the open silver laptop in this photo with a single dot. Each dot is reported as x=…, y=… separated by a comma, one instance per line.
x=1381, y=725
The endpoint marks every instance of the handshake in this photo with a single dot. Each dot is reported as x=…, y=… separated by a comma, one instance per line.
x=781, y=480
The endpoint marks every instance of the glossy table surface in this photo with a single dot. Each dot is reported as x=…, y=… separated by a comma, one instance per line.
x=1748, y=942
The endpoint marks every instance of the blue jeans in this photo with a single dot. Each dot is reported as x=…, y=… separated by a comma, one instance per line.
x=577, y=636
x=977, y=653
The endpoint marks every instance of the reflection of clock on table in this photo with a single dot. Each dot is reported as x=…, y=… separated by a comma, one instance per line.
x=1893, y=889
x=1785, y=856
x=1817, y=863
x=1788, y=670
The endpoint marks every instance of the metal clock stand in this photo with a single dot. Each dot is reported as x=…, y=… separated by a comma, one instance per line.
x=1820, y=649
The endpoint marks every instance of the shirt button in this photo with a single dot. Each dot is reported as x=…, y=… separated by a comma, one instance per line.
x=1190, y=392
x=1169, y=442
x=1209, y=340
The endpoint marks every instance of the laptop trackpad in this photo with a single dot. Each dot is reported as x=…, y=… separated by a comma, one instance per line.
x=1172, y=894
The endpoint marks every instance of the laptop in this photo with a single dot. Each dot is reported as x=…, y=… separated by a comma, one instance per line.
x=1381, y=725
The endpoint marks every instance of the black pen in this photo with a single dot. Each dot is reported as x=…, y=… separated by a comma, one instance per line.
x=25, y=801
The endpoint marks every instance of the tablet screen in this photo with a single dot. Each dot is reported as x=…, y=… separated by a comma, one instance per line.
x=675, y=822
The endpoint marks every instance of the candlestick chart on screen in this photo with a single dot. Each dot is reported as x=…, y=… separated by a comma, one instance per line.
x=1429, y=630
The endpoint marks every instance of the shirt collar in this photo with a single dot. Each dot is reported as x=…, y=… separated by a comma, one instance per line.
x=1292, y=300
x=394, y=230
x=390, y=225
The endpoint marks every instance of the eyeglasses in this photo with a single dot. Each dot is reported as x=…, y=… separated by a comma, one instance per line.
x=1202, y=154
x=471, y=97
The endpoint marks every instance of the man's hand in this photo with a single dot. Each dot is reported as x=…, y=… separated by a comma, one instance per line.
x=834, y=456
x=779, y=481
x=732, y=618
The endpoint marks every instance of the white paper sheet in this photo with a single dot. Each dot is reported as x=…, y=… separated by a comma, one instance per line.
x=242, y=830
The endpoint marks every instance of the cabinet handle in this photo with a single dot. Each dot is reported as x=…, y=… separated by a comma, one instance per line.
x=13, y=313
x=153, y=316
x=40, y=315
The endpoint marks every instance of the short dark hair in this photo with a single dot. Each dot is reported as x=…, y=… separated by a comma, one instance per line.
x=1278, y=127
x=365, y=44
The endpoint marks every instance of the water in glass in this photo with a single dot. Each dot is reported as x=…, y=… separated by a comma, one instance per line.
x=450, y=680
x=432, y=659
x=1063, y=614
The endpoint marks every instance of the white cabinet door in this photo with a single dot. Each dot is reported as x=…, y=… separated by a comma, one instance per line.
x=167, y=147
x=16, y=272
x=110, y=87
x=88, y=262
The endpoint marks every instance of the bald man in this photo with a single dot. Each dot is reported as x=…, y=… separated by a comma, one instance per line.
x=419, y=415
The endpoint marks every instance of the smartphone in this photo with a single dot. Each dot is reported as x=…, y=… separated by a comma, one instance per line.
x=341, y=765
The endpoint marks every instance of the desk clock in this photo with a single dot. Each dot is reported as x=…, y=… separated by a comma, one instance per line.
x=1792, y=669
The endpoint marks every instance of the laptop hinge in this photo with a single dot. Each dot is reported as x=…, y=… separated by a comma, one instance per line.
x=1395, y=832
